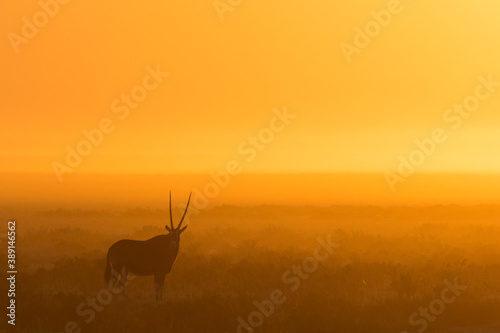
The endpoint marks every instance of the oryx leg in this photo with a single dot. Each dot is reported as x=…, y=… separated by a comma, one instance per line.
x=159, y=281
x=123, y=280
x=115, y=275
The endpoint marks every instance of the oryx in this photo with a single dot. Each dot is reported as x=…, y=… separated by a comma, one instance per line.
x=154, y=256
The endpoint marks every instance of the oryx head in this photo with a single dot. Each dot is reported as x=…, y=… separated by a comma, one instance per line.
x=175, y=233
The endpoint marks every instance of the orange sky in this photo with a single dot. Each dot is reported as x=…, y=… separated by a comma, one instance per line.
x=226, y=77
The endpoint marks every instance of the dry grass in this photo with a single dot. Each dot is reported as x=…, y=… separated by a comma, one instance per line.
x=391, y=262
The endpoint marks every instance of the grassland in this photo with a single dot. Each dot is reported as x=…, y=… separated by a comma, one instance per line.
x=390, y=263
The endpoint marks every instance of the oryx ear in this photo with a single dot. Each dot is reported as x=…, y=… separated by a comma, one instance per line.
x=182, y=229
x=166, y=227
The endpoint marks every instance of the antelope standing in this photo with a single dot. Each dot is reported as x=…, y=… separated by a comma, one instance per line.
x=154, y=256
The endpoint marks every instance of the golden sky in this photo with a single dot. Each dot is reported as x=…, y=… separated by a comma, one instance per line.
x=226, y=78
